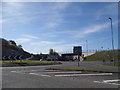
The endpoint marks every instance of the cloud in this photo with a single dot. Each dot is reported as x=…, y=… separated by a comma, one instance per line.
x=12, y=9
x=25, y=38
x=22, y=40
x=95, y=28
x=91, y=29
x=29, y=36
x=78, y=33
x=53, y=14
x=1, y=21
x=43, y=43
x=111, y=9
x=16, y=12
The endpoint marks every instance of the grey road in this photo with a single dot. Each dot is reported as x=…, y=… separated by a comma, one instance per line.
x=39, y=77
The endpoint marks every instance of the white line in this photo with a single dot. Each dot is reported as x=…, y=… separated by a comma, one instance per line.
x=105, y=82
x=40, y=74
x=63, y=72
x=114, y=83
x=34, y=74
x=112, y=80
x=46, y=75
x=33, y=70
x=13, y=71
x=84, y=74
x=18, y=72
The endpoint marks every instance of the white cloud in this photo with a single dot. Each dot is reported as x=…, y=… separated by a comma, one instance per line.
x=1, y=21
x=30, y=36
x=89, y=30
x=46, y=43
x=43, y=43
x=22, y=40
x=25, y=38
x=12, y=8
x=95, y=28
x=54, y=16
x=78, y=33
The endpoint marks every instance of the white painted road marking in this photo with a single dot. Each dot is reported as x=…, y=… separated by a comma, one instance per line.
x=34, y=74
x=109, y=82
x=40, y=74
x=13, y=71
x=97, y=74
x=64, y=72
x=46, y=75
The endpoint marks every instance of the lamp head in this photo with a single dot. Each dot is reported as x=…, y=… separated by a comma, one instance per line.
x=110, y=18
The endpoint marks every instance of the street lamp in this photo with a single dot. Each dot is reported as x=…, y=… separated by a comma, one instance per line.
x=87, y=47
x=112, y=40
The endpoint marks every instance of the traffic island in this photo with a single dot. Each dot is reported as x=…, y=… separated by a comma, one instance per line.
x=91, y=69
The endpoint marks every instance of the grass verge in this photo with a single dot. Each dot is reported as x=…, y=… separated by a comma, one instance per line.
x=27, y=63
x=85, y=69
x=111, y=64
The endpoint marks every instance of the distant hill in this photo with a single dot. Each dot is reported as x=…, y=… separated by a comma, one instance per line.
x=10, y=50
x=104, y=55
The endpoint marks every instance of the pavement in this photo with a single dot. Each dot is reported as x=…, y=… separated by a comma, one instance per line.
x=39, y=77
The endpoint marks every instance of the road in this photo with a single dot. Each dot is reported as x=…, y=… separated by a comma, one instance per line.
x=39, y=77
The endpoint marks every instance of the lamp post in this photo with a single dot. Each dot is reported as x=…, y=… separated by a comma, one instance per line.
x=87, y=47
x=112, y=40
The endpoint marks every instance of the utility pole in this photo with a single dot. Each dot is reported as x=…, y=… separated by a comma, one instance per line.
x=112, y=41
x=78, y=59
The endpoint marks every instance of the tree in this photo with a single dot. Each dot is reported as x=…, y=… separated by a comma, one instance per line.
x=12, y=42
x=20, y=46
x=3, y=41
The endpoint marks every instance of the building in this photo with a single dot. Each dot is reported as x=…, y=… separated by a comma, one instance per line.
x=52, y=57
x=76, y=55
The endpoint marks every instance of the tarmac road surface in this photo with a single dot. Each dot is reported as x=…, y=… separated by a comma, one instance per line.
x=38, y=77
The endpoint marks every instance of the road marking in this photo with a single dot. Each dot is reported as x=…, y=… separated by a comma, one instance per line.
x=64, y=72
x=40, y=74
x=46, y=75
x=13, y=71
x=112, y=80
x=18, y=72
x=97, y=74
x=108, y=82
x=33, y=70
x=34, y=74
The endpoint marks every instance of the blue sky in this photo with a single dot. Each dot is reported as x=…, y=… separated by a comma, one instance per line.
x=39, y=26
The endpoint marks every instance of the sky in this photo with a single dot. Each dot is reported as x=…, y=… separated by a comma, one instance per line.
x=40, y=26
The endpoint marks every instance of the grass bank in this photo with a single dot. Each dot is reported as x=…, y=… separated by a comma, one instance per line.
x=106, y=55
x=27, y=63
x=85, y=69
